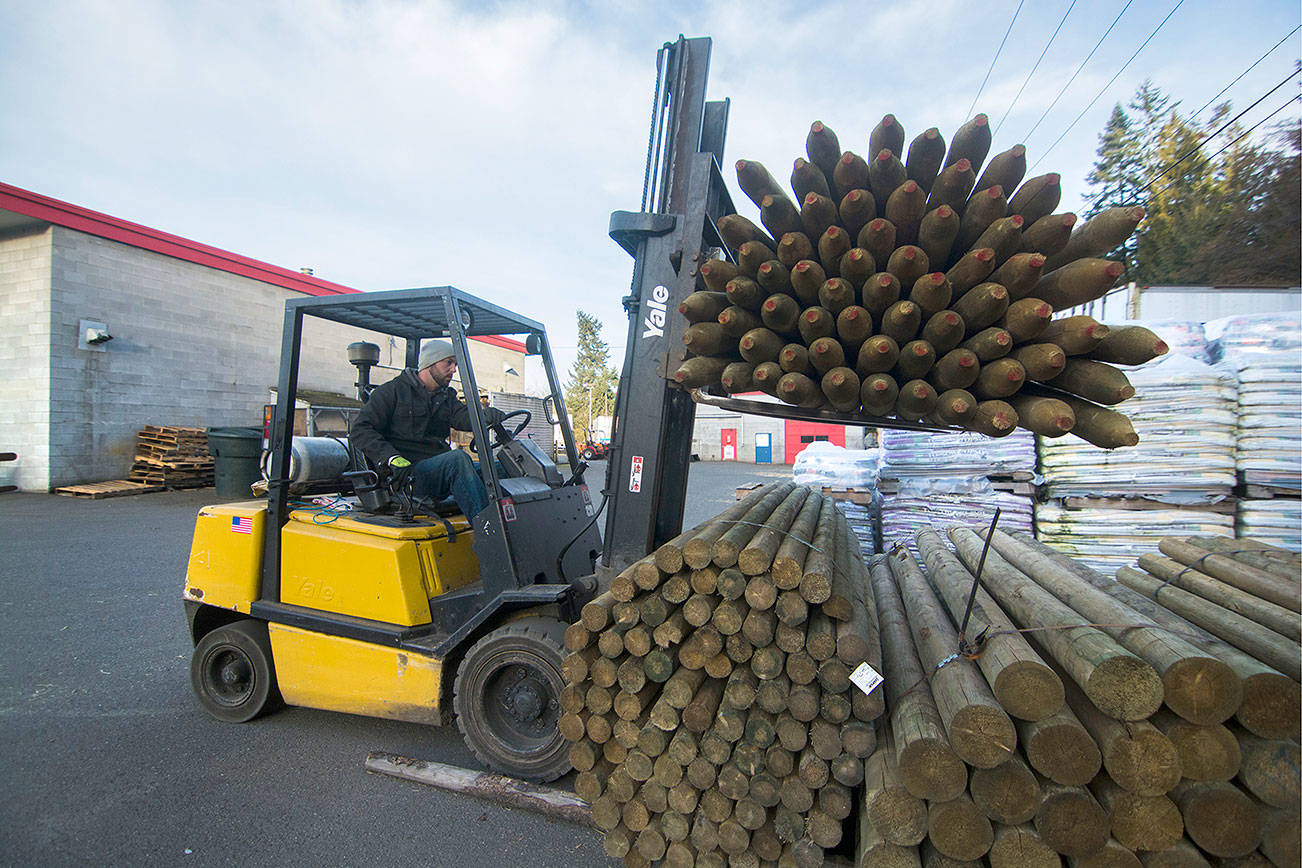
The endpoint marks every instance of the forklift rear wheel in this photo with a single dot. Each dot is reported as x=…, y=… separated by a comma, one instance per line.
x=588, y=454
x=507, y=700
x=232, y=674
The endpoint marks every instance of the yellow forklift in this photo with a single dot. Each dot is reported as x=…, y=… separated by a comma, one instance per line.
x=394, y=607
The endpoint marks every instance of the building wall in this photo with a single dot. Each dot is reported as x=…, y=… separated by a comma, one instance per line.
x=192, y=346
x=25, y=358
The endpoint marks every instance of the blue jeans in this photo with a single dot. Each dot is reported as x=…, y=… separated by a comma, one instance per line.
x=452, y=473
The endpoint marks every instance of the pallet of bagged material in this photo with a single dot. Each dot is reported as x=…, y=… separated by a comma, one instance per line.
x=1024, y=488
x=1224, y=507
x=112, y=488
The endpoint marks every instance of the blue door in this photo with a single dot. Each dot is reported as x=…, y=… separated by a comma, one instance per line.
x=763, y=448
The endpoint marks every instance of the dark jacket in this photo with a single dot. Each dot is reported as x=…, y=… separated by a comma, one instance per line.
x=403, y=418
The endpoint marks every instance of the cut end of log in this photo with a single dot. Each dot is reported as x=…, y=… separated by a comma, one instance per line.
x=878, y=224
x=1202, y=690
x=883, y=156
x=982, y=736
x=944, y=212
x=985, y=254
x=963, y=165
x=1125, y=688
x=1017, y=220
x=1029, y=690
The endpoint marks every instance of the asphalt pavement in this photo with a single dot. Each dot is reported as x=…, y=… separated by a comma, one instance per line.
x=107, y=759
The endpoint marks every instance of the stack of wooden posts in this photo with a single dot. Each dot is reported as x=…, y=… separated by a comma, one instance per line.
x=173, y=457
x=1079, y=719
x=919, y=287
x=708, y=693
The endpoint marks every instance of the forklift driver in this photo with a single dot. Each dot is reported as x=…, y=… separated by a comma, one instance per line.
x=406, y=421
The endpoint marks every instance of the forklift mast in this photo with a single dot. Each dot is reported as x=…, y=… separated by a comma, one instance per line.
x=683, y=197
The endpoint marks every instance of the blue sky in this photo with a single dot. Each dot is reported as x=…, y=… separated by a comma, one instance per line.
x=484, y=145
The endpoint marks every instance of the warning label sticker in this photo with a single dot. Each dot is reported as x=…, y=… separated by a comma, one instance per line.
x=508, y=509
x=635, y=477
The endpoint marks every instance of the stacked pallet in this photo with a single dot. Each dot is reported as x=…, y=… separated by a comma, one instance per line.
x=173, y=457
x=941, y=480
x=708, y=692
x=1072, y=717
x=1100, y=506
x=1266, y=351
x=917, y=287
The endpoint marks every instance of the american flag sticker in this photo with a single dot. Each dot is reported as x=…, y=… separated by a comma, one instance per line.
x=241, y=524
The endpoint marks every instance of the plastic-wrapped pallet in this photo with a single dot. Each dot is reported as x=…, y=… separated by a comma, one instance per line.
x=1106, y=505
x=1266, y=350
x=1277, y=521
x=826, y=464
x=1105, y=539
x=943, y=502
x=917, y=453
x=1184, y=413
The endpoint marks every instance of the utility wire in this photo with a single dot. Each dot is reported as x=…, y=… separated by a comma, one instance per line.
x=1178, y=4
x=1078, y=69
x=1222, y=129
x=1245, y=133
x=1033, y=68
x=994, y=60
x=1245, y=72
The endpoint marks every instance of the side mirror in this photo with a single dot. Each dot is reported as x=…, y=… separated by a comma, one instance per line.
x=549, y=410
x=533, y=344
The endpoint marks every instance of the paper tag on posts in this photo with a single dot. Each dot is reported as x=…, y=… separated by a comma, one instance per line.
x=866, y=678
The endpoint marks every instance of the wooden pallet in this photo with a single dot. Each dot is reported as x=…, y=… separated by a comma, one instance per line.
x=1224, y=507
x=862, y=496
x=112, y=488
x=1255, y=491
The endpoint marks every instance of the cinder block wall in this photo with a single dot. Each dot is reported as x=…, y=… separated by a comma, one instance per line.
x=191, y=346
x=25, y=357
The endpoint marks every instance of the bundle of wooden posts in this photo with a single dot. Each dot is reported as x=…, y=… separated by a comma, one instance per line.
x=1072, y=717
x=171, y=456
x=708, y=693
x=906, y=286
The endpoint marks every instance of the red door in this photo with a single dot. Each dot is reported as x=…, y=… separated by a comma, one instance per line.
x=728, y=448
x=798, y=435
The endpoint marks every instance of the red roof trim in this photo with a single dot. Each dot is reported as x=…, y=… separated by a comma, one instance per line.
x=499, y=341
x=59, y=213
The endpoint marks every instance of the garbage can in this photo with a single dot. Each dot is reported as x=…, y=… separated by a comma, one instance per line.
x=235, y=452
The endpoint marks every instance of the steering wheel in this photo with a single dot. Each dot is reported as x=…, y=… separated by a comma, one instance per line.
x=510, y=435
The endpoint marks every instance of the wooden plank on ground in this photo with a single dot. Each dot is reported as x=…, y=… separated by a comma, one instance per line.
x=112, y=488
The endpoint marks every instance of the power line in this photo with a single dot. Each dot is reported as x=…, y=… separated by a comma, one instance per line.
x=998, y=51
x=1222, y=129
x=1033, y=68
x=1078, y=69
x=1178, y=4
x=1245, y=72
x=1245, y=133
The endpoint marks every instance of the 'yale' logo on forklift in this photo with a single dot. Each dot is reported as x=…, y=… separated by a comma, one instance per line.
x=655, y=320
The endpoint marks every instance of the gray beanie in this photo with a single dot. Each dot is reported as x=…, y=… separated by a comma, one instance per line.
x=434, y=351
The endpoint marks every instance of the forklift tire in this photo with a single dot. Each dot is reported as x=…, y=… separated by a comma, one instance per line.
x=507, y=700
x=232, y=672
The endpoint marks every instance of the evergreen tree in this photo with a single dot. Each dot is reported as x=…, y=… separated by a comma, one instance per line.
x=590, y=391
x=1118, y=177
x=1218, y=213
